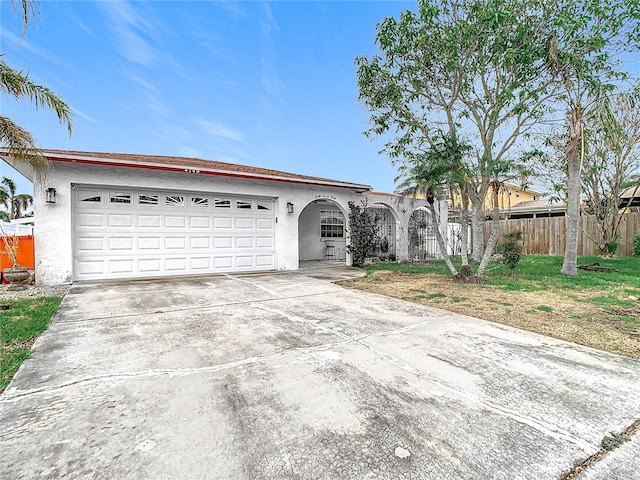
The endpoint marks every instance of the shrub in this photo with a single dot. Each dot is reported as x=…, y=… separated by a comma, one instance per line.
x=364, y=234
x=510, y=250
x=636, y=246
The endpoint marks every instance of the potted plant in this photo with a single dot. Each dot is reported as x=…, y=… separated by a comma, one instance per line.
x=16, y=275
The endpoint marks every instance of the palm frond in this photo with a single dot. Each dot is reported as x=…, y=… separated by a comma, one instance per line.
x=20, y=144
x=18, y=85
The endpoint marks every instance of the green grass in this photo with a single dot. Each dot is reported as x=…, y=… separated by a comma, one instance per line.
x=544, y=308
x=537, y=273
x=19, y=326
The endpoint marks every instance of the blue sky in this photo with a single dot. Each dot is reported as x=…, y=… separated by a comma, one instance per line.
x=268, y=84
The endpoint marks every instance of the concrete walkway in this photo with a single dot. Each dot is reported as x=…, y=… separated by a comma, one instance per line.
x=286, y=375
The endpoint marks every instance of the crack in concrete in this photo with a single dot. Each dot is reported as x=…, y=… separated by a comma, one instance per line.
x=8, y=395
x=619, y=439
x=186, y=309
x=255, y=285
x=543, y=427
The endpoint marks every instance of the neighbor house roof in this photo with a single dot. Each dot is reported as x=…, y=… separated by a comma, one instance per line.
x=190, y=165
x=537, y=206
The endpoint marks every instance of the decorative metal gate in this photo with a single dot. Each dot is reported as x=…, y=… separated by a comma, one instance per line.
x=422, y=237
x=386, y=231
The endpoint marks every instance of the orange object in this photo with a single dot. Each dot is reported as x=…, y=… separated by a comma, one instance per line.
x=26, y=254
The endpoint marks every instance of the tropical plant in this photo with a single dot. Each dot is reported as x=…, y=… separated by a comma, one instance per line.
x=363, y=234
x=18, y=141
x=17, y=204
x=510, y=250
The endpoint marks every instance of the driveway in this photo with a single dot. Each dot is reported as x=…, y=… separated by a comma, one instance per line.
x=286, y=375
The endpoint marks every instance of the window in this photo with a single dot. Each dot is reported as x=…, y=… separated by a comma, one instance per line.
x=243, y=205
x=331, y=224
x=174, y=200
x=89, y=196
x=120, y=198
x=147, y=199
x=517, y=194
x=222, y=203
x=264, y=205
x=199, y=202
x=533, y=197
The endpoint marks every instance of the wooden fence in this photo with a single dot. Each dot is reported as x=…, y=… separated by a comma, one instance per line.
x=546, y=236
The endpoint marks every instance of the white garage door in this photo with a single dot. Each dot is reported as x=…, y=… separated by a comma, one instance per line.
x=120, y=233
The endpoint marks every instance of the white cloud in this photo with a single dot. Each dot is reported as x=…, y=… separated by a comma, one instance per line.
x=83, y=115
x=217, y=129
x=129, y=28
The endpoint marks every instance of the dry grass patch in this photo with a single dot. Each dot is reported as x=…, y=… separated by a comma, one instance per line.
x=571, y=316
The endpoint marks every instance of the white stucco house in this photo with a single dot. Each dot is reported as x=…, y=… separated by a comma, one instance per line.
x=106, y=216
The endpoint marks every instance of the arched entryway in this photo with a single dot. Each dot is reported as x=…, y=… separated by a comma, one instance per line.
x=322, y=232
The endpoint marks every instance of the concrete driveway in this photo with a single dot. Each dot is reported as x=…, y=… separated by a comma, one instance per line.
x=286, y=375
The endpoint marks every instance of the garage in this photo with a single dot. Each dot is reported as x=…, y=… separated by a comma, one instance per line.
x=132, y=233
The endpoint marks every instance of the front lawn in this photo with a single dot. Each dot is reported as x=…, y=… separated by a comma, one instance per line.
x=597, y=309
x=21, y=322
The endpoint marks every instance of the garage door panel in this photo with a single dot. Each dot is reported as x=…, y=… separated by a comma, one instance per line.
x=120, y=243
x=90, y=267
x=200, y=263
x=245, y=261
x=264, y=224
x=264, y=242
x=120, y=220
x=199, y=243
x=148, y=235
x=244, y=223
x=150, y=265
x=220, y=223
x=120, y=266
x=225, y=263
x=175, y=221
x=244, y=242
x=199, y=222
x=149, y=221
x=176, y=264
x=90, y=244
x=175, y=243
x=149, y=243
x=223, y=242
x=90, y=220
x=265, y=261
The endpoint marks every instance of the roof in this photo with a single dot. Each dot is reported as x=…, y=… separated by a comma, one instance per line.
x=631, y=192
x=190, y=165
x=537, y=206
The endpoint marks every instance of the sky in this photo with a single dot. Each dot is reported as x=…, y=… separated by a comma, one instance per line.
x=266, y=84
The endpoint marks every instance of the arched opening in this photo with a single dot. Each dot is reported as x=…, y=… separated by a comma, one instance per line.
x=387, y=231
x=422, y=238
x=322, y=232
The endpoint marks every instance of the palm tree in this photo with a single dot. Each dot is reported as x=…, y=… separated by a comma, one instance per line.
x=18, y=141
x=16, y=204
x=21, y=203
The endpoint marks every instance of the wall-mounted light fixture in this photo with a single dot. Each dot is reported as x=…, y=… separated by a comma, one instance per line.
x=50, y=195
x=289, y=207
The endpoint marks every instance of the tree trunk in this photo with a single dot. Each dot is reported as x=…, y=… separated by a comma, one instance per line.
x=477, y=230
x=441, y=243
x=574, y=183
x=493, y=239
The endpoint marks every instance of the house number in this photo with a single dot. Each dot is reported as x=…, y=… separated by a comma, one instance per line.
x=192, y=170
